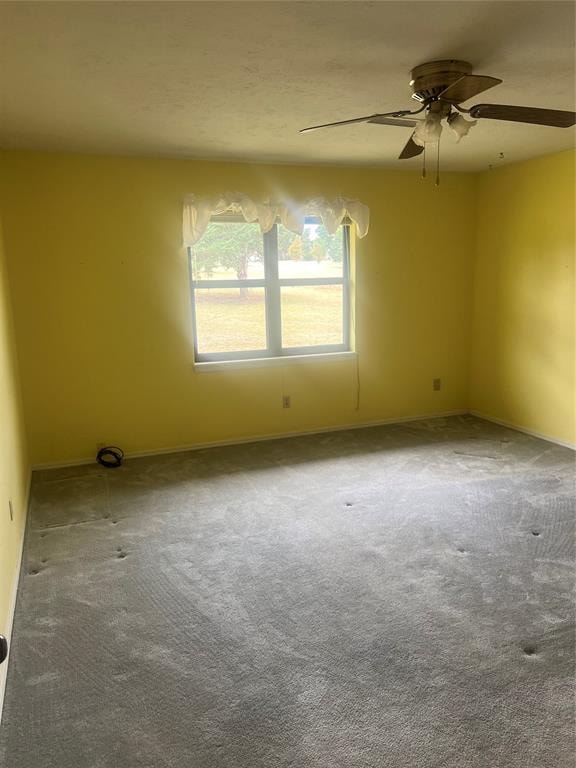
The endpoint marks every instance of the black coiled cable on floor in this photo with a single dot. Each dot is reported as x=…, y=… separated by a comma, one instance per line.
x=110, y=456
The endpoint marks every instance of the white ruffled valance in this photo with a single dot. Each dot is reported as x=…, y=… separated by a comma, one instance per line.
x=291, y=213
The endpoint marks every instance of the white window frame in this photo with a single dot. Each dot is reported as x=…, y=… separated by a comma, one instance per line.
x=272, y=285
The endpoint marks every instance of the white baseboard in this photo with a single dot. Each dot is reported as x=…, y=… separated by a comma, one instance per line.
x=13, y=597
x=317, y=431
x=525, y=430
x=257, y=438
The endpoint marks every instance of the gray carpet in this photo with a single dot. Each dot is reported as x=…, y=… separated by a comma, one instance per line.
x=389, y=597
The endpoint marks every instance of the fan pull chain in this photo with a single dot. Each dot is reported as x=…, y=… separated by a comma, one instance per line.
x=437, y=182
x=424, y=163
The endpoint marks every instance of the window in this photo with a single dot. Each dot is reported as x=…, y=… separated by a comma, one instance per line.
x=271, y=295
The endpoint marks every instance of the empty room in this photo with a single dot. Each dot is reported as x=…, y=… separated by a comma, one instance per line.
x=287, y=384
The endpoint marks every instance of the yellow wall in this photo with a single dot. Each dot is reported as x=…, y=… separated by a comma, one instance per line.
x=523, y=363
x=13, y=463
x=102, y=305
x=99, y=289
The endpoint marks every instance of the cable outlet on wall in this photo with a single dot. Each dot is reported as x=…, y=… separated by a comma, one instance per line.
x=286, y=401
x=436, y=385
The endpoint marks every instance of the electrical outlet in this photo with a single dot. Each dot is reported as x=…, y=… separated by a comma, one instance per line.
x=11, y=510
x=285, y=401
x=436, y=385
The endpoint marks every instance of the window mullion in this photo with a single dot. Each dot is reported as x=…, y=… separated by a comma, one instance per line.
x=256, y=283
x=273, y=323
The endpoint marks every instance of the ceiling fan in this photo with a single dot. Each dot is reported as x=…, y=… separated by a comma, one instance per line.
x=441, y=87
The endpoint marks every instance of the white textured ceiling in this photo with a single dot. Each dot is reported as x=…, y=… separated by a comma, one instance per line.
x=236, y=80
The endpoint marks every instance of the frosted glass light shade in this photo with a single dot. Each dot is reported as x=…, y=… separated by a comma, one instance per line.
x=459, y=125
x=428, y=131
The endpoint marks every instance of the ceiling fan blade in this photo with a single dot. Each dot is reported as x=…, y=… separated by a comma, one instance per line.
x=468, y=86
x=555, y=117
x=410, y=150
x=367, y=119
x=402, y=121
x=340, y=122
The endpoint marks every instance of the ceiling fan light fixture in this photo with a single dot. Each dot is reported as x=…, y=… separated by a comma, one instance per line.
x=459, y=125
x=428, y=131
x=441, y=87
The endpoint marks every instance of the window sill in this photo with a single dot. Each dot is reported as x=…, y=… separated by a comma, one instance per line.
x=270, y=362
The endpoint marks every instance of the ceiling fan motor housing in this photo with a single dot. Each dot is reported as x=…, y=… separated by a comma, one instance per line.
x=429, y=80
